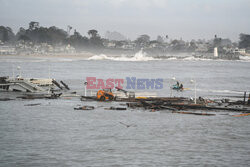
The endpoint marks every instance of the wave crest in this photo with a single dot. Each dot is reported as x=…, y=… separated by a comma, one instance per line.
x=142, y=56
x=139, y=56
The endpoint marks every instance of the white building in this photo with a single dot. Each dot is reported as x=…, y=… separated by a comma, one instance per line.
x=240, y=51
x=7, y=50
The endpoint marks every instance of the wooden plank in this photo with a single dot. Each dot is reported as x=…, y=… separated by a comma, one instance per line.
x=241, y=115
x=193, y=113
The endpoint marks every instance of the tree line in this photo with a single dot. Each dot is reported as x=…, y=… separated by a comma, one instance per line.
x=51, y=35
x=56, y=36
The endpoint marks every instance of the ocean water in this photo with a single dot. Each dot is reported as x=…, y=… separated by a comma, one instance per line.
x=54, y=134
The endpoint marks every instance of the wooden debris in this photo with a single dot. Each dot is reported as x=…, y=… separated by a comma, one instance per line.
x=115, y=108
x=34, y=104
x=168, y=108
x=193, y=113
x=65, y=85
x=241, y=115
x=85, y=108
x=184, y=104
x=127, y=125
x=54, y=96
x=41, y=96
x=5, y=99
x=57, y=84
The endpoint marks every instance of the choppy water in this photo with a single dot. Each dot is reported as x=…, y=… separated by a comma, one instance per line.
x=54, y=134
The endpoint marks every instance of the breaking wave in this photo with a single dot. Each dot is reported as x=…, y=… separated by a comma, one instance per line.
x=142, y=56
x=172, y=58
x=139, y=56
x=245, y=58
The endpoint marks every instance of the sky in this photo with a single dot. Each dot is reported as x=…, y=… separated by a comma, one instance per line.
x=186, y=19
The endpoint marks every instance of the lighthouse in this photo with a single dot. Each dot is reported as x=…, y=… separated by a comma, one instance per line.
x=215, y=52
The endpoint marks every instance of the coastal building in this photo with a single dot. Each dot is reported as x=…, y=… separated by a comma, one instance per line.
x=129, y=46
x=109, y=44
x=7, y=50
x=240, y=51
x=201, y=47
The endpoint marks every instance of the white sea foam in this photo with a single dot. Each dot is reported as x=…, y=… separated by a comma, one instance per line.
x=139, y=56
x=192, y=58
x=99, y=57
x=189, y=58
x=172, y=58
x=142, y=56
x=245, y=58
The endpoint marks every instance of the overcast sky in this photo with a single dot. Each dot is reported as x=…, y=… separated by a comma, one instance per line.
x=189, y=19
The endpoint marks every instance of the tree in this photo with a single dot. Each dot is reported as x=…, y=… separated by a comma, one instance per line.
x=33, y=25
x=69, y=28
x=142, y=40
x=6, y=34
x=93, y=33
x=57, y=35
x=24, y=38
x=193, y=45
x=36, y=34
x=175, y=42
x=178, y=45
x=160, y=39
x=244, y=41
x=43, y=35
x=95, y=39
x=77, y=41
x=21, y=31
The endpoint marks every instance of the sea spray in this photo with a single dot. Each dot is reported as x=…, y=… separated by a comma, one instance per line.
x=142, y=56
x=139, y=56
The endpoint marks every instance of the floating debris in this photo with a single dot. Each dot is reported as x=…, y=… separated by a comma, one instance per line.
x=194, y=113
x=241, y=115
x=34, y=85
x=154, y=104
x=34, y=104
x=57, y=84
x=85, y=108
x=127, y=125
x=5, y=99
x=65, y=85
x=115, y=108
x=41, y=96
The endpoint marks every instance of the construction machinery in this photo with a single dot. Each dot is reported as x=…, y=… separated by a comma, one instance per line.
x=130, y=95
x=105, y=94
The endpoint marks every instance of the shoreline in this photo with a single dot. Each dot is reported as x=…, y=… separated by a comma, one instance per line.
x=87, y=55
x=84, y=55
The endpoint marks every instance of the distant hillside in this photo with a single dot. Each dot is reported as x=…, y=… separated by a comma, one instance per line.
x=115, y=36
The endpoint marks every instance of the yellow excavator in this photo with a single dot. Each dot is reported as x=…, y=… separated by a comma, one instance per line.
x=105, y=94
